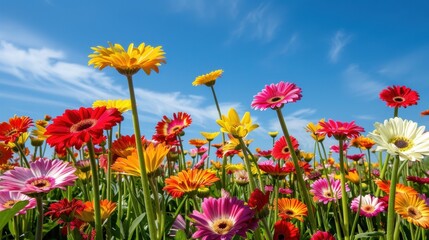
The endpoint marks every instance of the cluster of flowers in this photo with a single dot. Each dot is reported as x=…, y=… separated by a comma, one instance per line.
x=100, y=187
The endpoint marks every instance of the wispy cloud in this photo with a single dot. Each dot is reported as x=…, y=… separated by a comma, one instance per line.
x=206, y=9
x=45, y=75
x=260, y=24
x=338, y=42
x=290, y=45
x=361, y=83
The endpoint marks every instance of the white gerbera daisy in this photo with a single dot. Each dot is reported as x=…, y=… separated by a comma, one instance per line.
x=401, y=137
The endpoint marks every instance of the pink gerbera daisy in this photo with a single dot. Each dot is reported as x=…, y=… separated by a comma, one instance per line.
x=223, y=218
x=356, y=157
x=276, y=95
x=340, y=130
x=369, y=206
x=8, y=200
x=76, y=127
x=43, y=176
x=320, y=235
x=322, y=192
x=399, y=96
x=167, y=129
x=281, y=150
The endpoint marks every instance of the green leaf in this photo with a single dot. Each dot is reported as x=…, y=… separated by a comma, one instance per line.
x=180, y=235
x=369, y=234
x=8, y=214
x=134, y=225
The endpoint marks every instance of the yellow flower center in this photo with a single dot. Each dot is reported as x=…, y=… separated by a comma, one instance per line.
x=82, y=125
x=402, y=143
x=414, y=213
x=327, y=193
x=9, y=204
x=222, y=226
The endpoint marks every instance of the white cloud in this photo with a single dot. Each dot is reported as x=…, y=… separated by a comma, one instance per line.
x=46, y=77
x=259, y=24
x=290, y=44
x=338, y=42
x=360, y=83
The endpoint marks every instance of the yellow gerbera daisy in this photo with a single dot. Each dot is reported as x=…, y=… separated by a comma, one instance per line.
x=208, y=79
x=353, y=176
x=413, y=209
x=153, y=157
x=106, y=208
x=130, y=61
x=312, y=128
x=209, y=136
x=273, y=134
x=236, y=127
x=122, y=105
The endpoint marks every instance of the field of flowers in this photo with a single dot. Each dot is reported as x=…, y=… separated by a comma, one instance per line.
x=100, y=184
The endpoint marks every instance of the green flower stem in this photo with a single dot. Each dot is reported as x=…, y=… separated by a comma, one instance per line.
x=22, y=154
x=391, y=205
x=143, y=177
x=39, y=228
x=266, y=228
x=95, y=191
x=120, y=199
x=159, y=215
x=16, y=227
x=109, y=181
x=370, y=183
x=344, y=197
x=299, y=177
x=252, y=182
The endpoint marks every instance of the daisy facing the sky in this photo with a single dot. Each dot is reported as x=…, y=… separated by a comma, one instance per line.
x=322, y=193
x=188, y=182
x=276, y=95
x=399, y=96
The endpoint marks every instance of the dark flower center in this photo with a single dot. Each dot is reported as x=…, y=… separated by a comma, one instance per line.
x=41, y=183
x=285, y=150
x=398, y=99
x=83, y=125
x=414, y=213
x=401, y=143
x=281, y=237
x=289, y=212
x=275, y=99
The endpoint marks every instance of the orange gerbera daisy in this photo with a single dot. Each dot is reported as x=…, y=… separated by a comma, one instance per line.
x=87, y=214
x=189, y=181
x=10, y=131
x=384, y=185
x=198, y=142
x=125, y=145
x=353, y=176
x=362, y=142
x=292, y=208
x=5, y=153
x=153, y=157
x=413, y=209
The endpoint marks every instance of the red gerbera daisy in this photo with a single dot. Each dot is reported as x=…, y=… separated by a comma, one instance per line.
x=65, y=209
x=281, y=149
x=340, y=130
x=305, y=166
x=76, y=127
x=285, y=230
x=319, y=235
x=10, y=131
x=5, y=154
x=399, y=96
x=167, y=129
x=276, y=95
x=274, y=169
x=258, y=200
x=419, y=180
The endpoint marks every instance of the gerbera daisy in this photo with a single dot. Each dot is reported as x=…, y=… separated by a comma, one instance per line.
x=292, y=208
x=87, y=214
x=285, y=230
x=208, y=79
x=65, y=209
x=313, y=129
x=43, y=176
x=340, y=130
x=413, y=209
x=76, y=127
x=10, y=131
x=399, y=96
x=223, y=218
x=273, y=168
x=384, y=185
x=353, y=176
x=401, y=137
x=258, y=200
x=425, y=113
x=273, y=134
x=188, y=181
x=419, y=180
x=5, y=154
x=123, y=105
x=130, y=61
x=197, y=142
x=356, y=157
x=236, y=127
x=362, y=142
x=241, y=177
x=209, y=136
x=153, y=157
x=306, y=168
x=276, y=95
x=8, y=200
x=336, y=148
x=322, y=192
x=39, y=132
x=167, y=129
x=370, y=206
x=125, y=145
x=320, y=235
x=178, y=224
x=306, y=156
x=281, y=149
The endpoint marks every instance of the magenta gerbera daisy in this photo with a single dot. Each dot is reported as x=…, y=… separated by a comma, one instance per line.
x=223, y=218
x=323, y=193
x=399, y=96
x=167, y=129
x=369, y=206
x=43, y=176
x=276, y=95
x=281, y=150
x=76, y=127
x=8, y=200
x=340, y=130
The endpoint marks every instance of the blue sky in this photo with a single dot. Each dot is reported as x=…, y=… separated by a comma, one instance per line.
x=341, y=54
